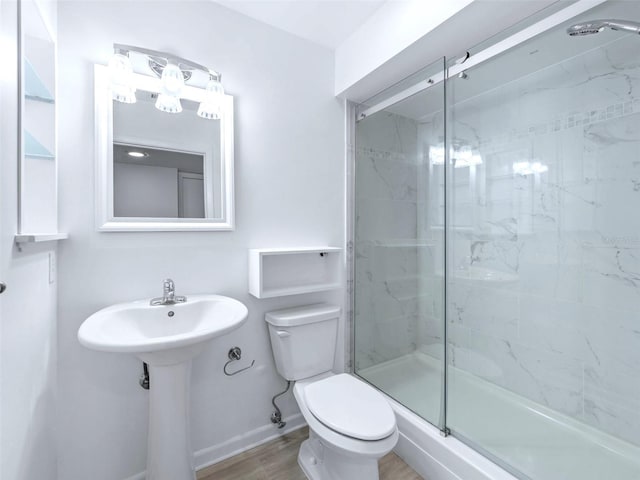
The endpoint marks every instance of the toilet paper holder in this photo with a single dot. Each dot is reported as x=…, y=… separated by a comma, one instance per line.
x=235, y=354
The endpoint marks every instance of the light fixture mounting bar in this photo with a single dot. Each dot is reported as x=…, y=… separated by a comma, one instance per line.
x=155, y=55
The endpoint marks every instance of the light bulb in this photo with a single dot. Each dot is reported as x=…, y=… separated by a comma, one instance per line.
x=172, y=80
x=210, y=108
x=168, y=103
x=121, y=76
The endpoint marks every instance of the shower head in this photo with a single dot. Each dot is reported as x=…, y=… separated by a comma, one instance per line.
x=596, y=26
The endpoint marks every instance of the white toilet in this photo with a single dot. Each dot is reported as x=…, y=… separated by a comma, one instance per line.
x=351, y=425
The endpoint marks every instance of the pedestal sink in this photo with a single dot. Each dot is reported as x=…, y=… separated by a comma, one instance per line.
x=166, y=337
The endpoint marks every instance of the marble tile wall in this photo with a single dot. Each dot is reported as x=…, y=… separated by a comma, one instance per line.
x=386, y=273
x=560, y=321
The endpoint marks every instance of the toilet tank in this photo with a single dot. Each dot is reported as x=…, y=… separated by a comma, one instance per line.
x=303, y=339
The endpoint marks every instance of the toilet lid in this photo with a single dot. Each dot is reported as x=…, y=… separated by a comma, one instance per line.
x=350, y=407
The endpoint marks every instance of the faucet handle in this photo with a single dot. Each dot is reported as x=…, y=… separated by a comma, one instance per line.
x=167, y=284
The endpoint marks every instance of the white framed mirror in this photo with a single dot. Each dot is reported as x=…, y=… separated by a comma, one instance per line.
x=159, y=171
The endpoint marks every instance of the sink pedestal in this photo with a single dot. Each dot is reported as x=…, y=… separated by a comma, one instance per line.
x=169, y=455
x=166, y=337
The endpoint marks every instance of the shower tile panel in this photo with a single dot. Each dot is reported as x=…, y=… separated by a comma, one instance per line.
x=389, y=133
x=385, y=175
x=380, y=219
x=386, y=239
x=611, y=398
x=470, y=308
x=544, y=376
x=612, y=277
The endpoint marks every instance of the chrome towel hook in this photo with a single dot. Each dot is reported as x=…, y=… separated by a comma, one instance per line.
x=235, y=354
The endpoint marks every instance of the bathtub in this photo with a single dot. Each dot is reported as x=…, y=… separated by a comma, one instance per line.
x=537, y=441
x=436, y=457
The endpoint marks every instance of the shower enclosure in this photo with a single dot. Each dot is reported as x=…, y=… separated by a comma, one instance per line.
x=496, y=236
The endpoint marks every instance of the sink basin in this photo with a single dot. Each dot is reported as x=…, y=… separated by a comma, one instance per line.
x=166, y=337
x=139, y=328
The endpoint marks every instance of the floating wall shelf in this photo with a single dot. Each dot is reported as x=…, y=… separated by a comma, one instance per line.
x=39, y=237
x=276, y=272
x=34, y=88
x=33, y=238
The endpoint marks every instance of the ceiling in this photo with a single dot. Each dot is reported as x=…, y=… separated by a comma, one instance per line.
x=324, y=22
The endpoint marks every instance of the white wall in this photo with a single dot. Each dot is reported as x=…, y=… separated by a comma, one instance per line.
x=289, y=183
x=27, y=308
x=390, y=30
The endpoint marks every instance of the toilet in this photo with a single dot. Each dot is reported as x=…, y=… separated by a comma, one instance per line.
x=351, y=425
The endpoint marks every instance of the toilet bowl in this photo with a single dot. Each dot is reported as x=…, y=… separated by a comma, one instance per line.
x=351, y=425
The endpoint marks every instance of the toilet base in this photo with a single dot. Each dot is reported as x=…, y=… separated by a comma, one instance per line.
x=321, y=463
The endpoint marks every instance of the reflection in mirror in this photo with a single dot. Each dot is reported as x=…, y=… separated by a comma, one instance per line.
x=165, y=165
x=149, y=182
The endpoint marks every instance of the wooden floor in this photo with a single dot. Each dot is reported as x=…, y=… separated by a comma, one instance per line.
x=278, y=460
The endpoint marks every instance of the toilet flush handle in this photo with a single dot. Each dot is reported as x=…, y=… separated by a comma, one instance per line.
x=283, y=333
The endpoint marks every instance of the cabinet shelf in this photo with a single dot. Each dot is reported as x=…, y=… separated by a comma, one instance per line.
x=39, y=99
x=34, y=87
x=276, y=272
x=34, y=149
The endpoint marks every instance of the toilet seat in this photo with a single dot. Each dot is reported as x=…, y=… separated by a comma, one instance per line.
x=337, y=441
x=350, y=407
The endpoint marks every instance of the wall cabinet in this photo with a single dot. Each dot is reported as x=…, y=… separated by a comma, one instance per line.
x=38, y=198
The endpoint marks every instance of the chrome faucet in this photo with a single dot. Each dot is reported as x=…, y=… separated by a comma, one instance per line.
x=169, y=296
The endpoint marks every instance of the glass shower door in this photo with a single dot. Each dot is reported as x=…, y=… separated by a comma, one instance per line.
x=543, y=291
x=399, y=242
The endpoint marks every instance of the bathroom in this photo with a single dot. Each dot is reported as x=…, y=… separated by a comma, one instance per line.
x=467, y=170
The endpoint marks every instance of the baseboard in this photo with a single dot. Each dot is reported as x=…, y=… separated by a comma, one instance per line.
x=246, y=441
x=238, y=444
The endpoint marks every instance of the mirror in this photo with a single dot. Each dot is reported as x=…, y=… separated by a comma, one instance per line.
x=159, y=171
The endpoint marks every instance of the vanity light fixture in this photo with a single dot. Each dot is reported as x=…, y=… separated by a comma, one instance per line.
x=174, y=74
